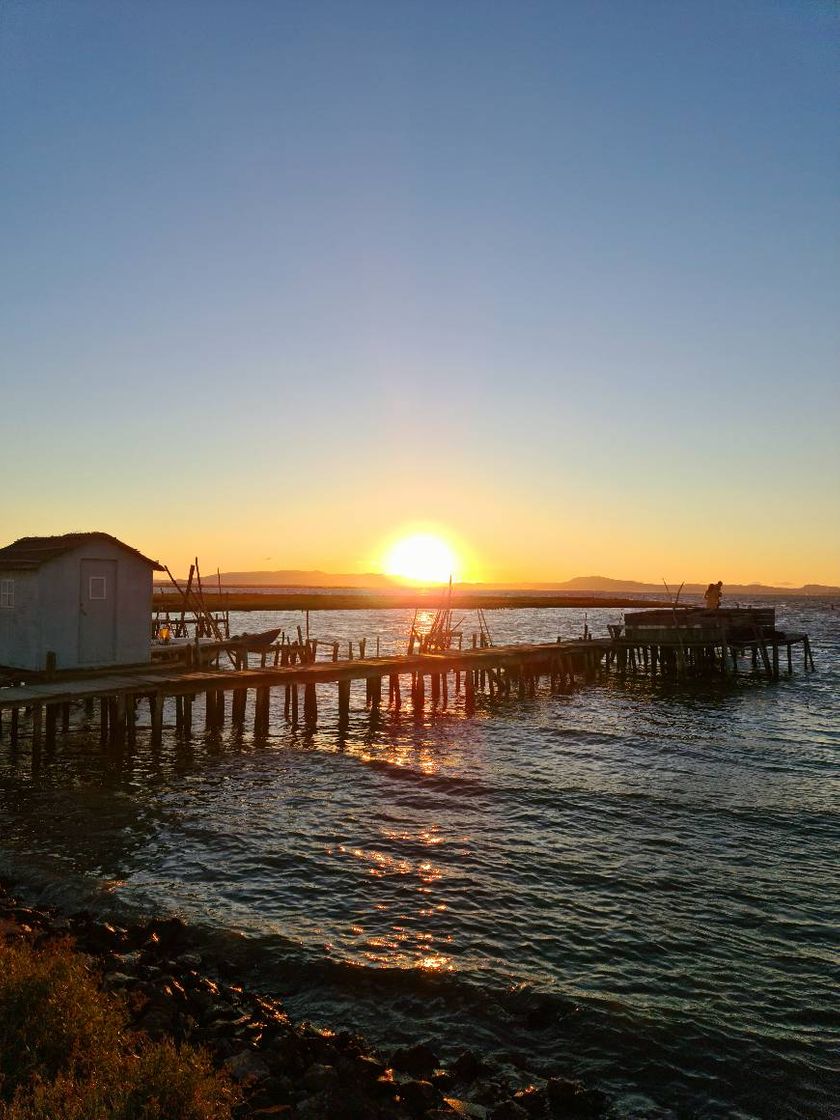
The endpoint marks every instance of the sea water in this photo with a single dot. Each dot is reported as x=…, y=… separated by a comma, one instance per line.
x=635, y=883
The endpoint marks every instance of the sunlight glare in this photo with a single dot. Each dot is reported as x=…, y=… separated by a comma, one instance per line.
x=423, y=558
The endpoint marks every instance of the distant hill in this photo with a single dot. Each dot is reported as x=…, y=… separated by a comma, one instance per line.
x=376, y=581
x=626, y=586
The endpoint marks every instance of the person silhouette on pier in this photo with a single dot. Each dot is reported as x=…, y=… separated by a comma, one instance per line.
x=713, y=595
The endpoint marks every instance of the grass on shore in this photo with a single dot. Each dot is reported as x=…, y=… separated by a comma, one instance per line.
x=67, y=1051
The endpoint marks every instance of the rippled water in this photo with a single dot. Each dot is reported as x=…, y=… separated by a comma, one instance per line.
x=635, y=883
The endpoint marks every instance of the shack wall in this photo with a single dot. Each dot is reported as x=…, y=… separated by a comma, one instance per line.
x=128, y=595
x=20, y=624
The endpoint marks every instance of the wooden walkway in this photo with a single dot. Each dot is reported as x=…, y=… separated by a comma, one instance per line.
x=498, y=670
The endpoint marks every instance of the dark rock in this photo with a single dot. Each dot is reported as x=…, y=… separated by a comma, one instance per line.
x=532, y=1099
x=508, y=1110
x=247, y=1068
x=419, y=1096
x=320, y=1077
x=486, y=1092
x=570, y=1098
x=468, y=1066
x=171, y=934
x=442, y=1079
x=157, y=1021
x=366, y=1066
x=468, y=1109
x=419, y=1060
x=386, y=1086
x=115, y=980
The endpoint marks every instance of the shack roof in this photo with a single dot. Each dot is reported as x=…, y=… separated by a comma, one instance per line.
x=31, y=552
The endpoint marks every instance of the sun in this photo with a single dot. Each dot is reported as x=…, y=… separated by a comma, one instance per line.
x=423, y=558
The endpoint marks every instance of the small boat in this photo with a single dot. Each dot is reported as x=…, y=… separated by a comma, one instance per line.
x=253, y=642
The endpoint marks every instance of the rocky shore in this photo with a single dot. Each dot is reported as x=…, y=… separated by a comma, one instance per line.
x=294, y=1071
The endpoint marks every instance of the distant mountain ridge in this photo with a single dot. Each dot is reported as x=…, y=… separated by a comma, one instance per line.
x=377, y=581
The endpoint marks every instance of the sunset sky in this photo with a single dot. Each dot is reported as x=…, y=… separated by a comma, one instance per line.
x=283, y=282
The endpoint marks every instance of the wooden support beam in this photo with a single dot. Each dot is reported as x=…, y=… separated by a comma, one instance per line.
x=375, y=693
x=469, y=692
x=14, y=728
x=310, y=706
x=294, y=705
x=419, y=696
x=343, y=705
x=37, y=725
x=156, y=708
x=118, y=736
x=103, y=721
x=262, y=712
x=50, y=716
x=237, y=708
x=131, y=720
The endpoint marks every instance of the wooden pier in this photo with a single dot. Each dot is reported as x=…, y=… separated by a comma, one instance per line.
x=641, y=645
x=496, y=670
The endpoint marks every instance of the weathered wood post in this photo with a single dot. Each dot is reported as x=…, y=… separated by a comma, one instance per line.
x=419, y=697
x=131, y=720
x=237, y=707
x=156, y=706
x=262, y=703
x=49, y=726
x=310, y=706
x=434, y=681
x=469, y=692
x=375, y=693
x=103, y=721
x=395, y=681
x=343, y=704
x=14, y=727
x=37, y=724
x=120, y=720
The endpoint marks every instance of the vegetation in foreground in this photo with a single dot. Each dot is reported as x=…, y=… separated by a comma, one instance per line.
x=67, y=1053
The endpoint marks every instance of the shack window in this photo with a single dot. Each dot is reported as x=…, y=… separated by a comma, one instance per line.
x=7, y=593
x=97, y=589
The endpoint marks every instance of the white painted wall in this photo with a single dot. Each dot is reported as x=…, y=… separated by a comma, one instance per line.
x=20, y=625
x=48, y=617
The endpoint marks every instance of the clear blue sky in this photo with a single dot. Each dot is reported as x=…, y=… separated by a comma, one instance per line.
x=277, y=279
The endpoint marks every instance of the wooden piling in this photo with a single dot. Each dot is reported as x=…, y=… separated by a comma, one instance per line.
x=310, y=706
x=343, y=704
x=118, y=734
x=131, y=720
x=103, y=721
x=50, y=715
x=156, y=706
x=375, y=693
x=37, y=725
x=469, y=692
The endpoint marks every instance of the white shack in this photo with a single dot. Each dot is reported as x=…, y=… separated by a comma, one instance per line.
x=84, y=597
